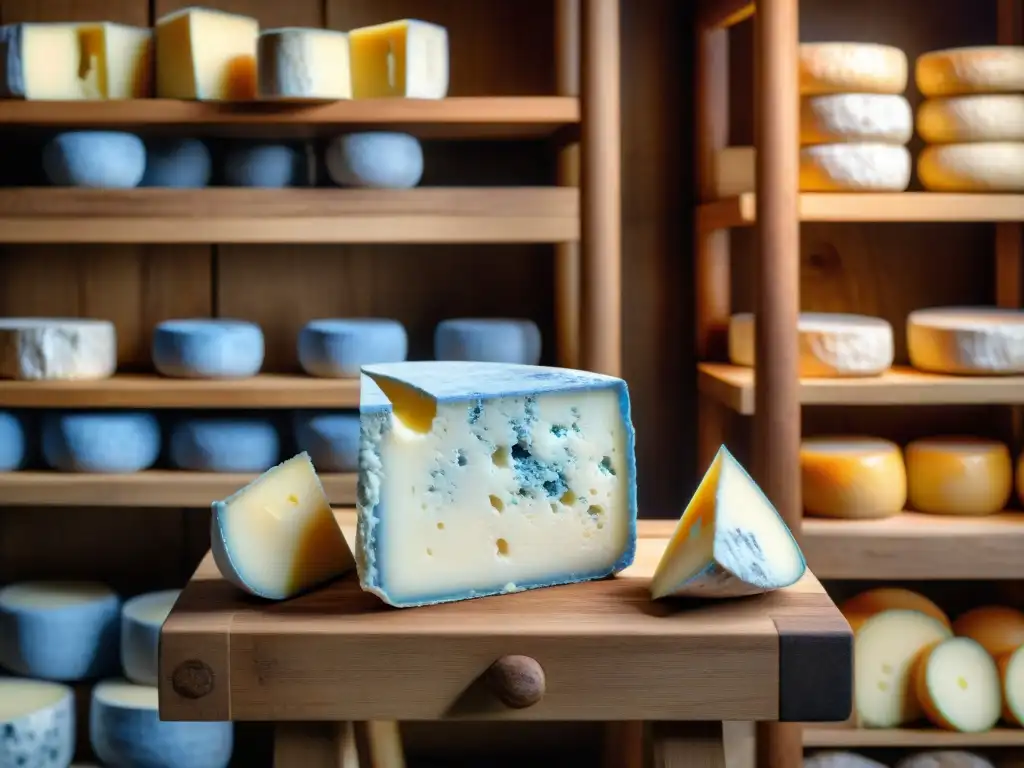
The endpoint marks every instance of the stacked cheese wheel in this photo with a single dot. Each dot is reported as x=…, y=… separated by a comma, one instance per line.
x=938, y=758
x=854, y=120
x=966, y=341
x=911, y=662
x=972, y=119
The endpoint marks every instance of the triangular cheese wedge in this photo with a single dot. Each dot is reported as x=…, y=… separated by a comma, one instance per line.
x=729, y=542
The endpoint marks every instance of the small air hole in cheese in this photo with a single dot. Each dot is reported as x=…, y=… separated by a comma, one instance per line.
x=497, y=503
x=502, y=547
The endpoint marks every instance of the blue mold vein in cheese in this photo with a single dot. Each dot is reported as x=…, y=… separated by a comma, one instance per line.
x=37, y=724
x=481, y=478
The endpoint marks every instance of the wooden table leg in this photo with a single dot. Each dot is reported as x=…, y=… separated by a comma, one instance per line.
x=338, y=745
x=687, y=745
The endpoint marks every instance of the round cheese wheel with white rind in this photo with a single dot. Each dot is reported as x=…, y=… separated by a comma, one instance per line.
x=125, y=729
x=861, y=607
x=855, y=117
x=946, y=758
x=339, y=347
x=957, y=684
x=855, y=167
x=376, y=160
x=837, y=759
x=980, y=69
x=208, y=348
x=966, y=340
x=1011, y=673
x=13, y=444
x=853, y=478
x=998, y=628
x=971, y=119
x=330, y=439
x=228, y=444
x=852, y=68
x=37, y=724
x=49, y=348
x=488, y=340
x=830, y=344
x=985, y=167
x=103, y=442
x=141, y=619
x=884, y=651
x=967, y=476
x=96, y=159
x=59, y=630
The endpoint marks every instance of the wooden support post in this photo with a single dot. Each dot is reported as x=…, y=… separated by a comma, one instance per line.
x=687, y=745
x=567, y=255
x=338, y=745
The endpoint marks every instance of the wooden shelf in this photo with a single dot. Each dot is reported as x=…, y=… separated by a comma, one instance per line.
x=294, y=216
x=155, y=488
x=917, y=738
x=733, y=386
x=453, y=118
x=936, y=207
x=150, y=391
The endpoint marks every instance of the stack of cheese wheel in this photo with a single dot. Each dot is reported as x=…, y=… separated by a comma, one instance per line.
x=972, y=119
x=854, y=119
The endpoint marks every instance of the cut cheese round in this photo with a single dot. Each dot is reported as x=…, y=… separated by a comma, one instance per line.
x=840, y=117
x=295, y=64
x=852, y=68
x=837, y=759
x=884, y=651
x=863, y=606
x=966, y=340
x=852, y=477
x=981, y=69
x=957, y=684
x=125, y=729
x=999, y=629
x=729, y=542
x=1011, y=672
x=37, y=724
x=986, y=167
x=38, y=348
x=958, y=475
x=854, y=168
x=945, y=758
x=829, y=344
x=59, y=630
x=141, y=619
x=966, y=119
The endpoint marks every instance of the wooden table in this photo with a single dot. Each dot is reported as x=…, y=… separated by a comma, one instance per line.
x=596, y=651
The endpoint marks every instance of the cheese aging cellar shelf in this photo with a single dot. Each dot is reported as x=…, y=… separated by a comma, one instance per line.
x=825, y=737
x=733, y=386
x=527, y=117
x=153, y=488
x=294, y=216
x=148, y=391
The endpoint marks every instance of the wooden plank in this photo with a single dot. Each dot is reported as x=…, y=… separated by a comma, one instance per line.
x=833, y=737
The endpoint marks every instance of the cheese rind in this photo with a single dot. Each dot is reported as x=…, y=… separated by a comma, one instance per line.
x=277, y=536
x=38, y=348
x=830, y=344
x=980, y=69
x=999, y=629
x=852, y=68
x=206, y=55
x=984, y=167
x=488, y=340
x=1011, y=674
x=296, y=64
x=977, y=118
x=141, y=620
x=863, y=606
x=855, y=117
x=966, y=340
x=852, y=477
x=958, y=475
x=957, y=685
x=884, y=651
x=37, y=723
x=338, y=348
x=225, y=444
x=729, y=542
x=855, y=167
x=406, y=58
x=59, y=630
x=478, y=479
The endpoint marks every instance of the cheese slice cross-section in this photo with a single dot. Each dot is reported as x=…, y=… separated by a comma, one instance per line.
x=861, y=607
x=957, y=683
x=1011, y=672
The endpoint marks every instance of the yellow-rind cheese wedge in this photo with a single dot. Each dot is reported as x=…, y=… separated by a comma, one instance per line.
x=885, y=649
x=998, y=629
x=852, y=478
x=957, y=685
x=958, y=475
x=840, y=67
x=977, y=69
x=1011, y=675
x=861, y=607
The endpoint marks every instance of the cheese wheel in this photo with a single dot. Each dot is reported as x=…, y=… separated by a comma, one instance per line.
x=957, y=684
x=39, y=348
x=838, y=759
x=999, y=629
x=966, y=340
x=854, y=168
x=852, y=68
x=884, y=651
x=987, y=167
x=944, y=758
x=979, y=118
x=141, y=620
x=981, y=69
x=1011, y=673
x=863, y=606
x=852, y=477
x=958, y=476
x=830, y=344
x=37, y=724
x=839, y=117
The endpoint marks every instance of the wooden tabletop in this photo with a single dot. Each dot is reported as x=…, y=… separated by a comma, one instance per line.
x=607, y=651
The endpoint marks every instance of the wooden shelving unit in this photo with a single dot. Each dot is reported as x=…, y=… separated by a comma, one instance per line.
x=907, y=738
